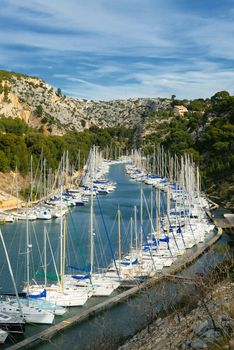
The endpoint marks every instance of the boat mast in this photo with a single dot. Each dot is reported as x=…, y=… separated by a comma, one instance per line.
x=91, y=215
x=119, y=240
x=27, y=251
x=11, y=272
x=131, y=238
x=61, y=237
x=45, y=261
x=141, y=222
x=64, y=254
x=151, y=206
x=31, y=178
x=135, y=227
x=159, y=212
x=168, y=210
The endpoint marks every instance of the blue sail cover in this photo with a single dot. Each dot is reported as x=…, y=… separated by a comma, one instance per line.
x=80, y=277
x=100, y=182
x=146, y=248
x=165, y=239
x=179, y=230
x=127, y=263
x=40, y=295
x=154, y=177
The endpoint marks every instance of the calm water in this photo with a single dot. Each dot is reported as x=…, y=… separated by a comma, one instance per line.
x=125, y=197
x=122, y=320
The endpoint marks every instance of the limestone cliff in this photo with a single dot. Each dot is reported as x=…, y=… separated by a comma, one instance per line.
x=39, y=105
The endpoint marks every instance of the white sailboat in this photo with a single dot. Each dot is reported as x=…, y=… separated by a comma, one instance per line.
x=101, y=284
x=60, y=294
x=12, y=307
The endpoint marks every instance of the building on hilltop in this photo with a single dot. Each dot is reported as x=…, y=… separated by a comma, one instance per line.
x=180, y=110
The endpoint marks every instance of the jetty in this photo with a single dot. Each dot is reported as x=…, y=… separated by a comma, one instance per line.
x=49, y=333
x=226, y=222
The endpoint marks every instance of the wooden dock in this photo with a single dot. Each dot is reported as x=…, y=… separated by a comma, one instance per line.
x=120, y=298
x=226, y=222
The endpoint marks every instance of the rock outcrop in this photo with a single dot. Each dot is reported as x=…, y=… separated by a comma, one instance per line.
x=39, y=104
x=203, y=326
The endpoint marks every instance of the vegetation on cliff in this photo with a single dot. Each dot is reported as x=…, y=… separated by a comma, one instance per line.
x=207, y=132
x=18, y=142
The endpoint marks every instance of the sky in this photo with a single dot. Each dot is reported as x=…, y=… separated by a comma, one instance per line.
x=117, y=49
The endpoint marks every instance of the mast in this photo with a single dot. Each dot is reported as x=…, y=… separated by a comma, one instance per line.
x=135, y=228
x=91, y=218
x=151, y=205
x=159, y=212
x=141, y=222
x=119, y=240
x=67, y=168
x=45, y=261
x=64, y=254
x=131, y=238
x=11, y=272
x=31, y=178
x=61, y=236
x=17, y=187
x=198, y=182
x=168, y=210
x=44, y=179
x=27, y=252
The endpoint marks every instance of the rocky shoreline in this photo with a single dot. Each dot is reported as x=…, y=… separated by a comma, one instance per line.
x=208, y=326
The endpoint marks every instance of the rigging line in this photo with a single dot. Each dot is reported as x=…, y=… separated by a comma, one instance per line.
x=70, y=244
x=145, y=236
x=107, y=235
x=180, y=226
x=113, y=225
x=51, y=251
x=188, y=218
x=9, y=248
x=164, y=207
x=126, y=230
x=38, y=248
x=148, y=212
x=80, y=252
x=101, y=247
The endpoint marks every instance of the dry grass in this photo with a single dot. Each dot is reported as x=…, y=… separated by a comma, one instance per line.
x=8, y=189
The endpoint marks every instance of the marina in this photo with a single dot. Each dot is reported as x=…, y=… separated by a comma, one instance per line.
x=107, y=215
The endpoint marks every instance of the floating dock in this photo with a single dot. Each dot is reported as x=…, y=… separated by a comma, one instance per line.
x=47, y=334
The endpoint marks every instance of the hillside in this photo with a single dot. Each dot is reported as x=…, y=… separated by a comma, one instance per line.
x=37, y=117
x=36, y=102
x=207, y=132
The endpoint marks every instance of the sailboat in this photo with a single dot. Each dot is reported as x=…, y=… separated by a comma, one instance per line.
x=59, y=294
x=11, y=323
x=29, y=313
x=101, y=284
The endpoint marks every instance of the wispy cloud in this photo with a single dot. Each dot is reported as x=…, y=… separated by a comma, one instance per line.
x=115, y=49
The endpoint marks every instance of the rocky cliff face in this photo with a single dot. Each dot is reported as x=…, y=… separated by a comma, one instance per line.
x=209, y=327
x=39, y=105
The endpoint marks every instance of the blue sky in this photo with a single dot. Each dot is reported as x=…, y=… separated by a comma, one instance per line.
x=110, y=49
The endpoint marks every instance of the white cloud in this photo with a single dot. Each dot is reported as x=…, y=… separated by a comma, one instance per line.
x=137, y=48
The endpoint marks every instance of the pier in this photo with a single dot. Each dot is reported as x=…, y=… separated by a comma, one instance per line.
x=47, y=334
x=226, y=222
